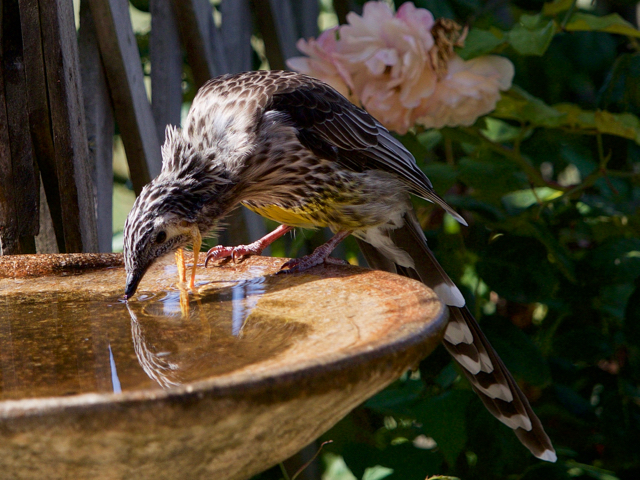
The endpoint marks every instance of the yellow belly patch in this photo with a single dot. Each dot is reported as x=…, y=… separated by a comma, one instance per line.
x=293, y=218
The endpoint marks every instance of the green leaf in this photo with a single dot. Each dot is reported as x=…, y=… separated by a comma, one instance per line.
x=624, y=125
x=517, y=104
x=481, y=42
x=532, y=22
x=447, y=376
x=591, y=471
x=620, y=93
x=612, y=23
x=614, y=299
x=510, y=106
x=443, y=418
x=430, y=138
x=575, y=117
x=533, y=35
x=523, y=199
x=499, y=131
x=376, y=473
x=336, y=468
x=551, y=9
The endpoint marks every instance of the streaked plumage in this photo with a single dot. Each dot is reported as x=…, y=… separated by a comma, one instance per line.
x=294, y=150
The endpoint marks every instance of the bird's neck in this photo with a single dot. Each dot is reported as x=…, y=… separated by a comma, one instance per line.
x=206, y=179
x=218, y=203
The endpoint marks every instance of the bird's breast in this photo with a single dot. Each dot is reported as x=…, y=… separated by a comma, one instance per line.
x=294, y=217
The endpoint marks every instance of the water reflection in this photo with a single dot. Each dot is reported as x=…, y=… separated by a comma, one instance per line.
x=59, y=344
x=154, y=364
x=244, y=297
x=115, y=381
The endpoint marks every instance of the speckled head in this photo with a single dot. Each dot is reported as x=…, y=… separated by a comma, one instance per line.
x=188, y=194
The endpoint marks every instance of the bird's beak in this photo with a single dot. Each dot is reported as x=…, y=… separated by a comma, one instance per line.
x=133, y=279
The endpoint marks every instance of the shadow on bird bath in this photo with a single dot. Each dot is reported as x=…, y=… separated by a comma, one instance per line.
x=259, y=366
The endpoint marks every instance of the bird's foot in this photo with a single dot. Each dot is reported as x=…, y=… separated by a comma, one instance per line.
x=301, y=264
x=236, y=253
x=319, y=256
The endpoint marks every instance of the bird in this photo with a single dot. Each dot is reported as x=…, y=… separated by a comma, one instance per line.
x=294, y=150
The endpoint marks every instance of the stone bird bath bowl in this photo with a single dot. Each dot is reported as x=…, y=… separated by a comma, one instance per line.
x=222, y=385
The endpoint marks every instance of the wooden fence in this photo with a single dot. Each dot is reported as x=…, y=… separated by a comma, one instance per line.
x=63, y=91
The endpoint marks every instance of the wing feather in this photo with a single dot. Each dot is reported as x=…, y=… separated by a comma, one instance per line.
x=319, y=111
x=327, y=123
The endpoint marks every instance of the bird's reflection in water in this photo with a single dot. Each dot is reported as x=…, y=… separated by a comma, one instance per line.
x=155, y=364
x=244, y=298
x=178, y=339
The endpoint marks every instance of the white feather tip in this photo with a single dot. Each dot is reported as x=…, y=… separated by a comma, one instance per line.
x=548, y=456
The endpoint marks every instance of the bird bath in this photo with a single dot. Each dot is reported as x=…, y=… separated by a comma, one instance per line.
x=238, y=377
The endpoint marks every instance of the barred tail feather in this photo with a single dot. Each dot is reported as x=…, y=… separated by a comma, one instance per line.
x=496, y=387
x=464, y=340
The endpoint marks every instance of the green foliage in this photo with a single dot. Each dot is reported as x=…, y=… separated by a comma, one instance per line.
x=550, y=184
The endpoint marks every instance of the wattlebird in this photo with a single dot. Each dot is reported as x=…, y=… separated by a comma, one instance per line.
x=294, y=150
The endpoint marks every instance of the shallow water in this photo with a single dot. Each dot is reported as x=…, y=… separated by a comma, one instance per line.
x=64, y=344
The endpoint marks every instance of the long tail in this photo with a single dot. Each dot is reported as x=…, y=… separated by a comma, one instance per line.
x=465, y=341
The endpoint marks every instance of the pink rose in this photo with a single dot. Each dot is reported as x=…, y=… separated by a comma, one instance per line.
x=388, y=60
x=470, y=89
x=321, y=62
x=392, y=66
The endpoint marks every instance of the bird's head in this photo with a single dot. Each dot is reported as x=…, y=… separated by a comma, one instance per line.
x=157, y=225
x=188, y=197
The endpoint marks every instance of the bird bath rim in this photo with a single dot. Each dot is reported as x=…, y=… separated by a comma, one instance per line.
x=406, y=344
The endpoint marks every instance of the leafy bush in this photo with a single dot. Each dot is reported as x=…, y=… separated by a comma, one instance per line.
x=550, y=262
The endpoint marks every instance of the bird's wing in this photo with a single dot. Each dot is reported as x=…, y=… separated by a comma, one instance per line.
x=333, y=127
x=465, y=341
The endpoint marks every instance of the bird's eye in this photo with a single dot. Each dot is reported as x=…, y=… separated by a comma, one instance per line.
x=161, y=237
